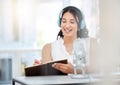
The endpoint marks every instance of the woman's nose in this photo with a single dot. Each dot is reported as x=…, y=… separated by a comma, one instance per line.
x=67, y=25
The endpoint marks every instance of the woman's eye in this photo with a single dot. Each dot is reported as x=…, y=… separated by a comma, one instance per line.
x=72, y=22
x=63, y=21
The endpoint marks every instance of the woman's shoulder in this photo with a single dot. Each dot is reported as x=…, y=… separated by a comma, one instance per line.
x=53, y=44
x=88, y=38
x=47, y=46
x=85, y=40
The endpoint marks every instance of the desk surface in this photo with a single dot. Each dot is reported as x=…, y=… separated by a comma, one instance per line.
x=51, y=80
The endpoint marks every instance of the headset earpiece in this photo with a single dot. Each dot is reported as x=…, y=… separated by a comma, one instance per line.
x=60, y=18
x=59, y=22
x=82, y=25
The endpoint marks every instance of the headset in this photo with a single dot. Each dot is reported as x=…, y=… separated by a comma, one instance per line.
x=76, y=12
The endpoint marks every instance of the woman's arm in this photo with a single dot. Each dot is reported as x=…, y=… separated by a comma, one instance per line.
x=46, y=53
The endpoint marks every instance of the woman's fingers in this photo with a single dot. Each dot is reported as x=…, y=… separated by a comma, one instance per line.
x=37, y=62
x=66, y=68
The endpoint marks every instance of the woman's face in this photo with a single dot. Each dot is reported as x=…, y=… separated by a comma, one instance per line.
x=69, y=25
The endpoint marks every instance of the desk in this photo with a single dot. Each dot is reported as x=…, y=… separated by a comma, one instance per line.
x=52, y=80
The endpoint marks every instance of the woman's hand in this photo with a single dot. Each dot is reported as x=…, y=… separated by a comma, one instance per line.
x=65, y=68
x=37, y=62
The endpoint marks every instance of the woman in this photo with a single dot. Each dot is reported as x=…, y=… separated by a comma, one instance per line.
x=72, y=26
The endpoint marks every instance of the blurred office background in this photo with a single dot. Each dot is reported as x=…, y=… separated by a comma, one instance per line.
x=26, y=25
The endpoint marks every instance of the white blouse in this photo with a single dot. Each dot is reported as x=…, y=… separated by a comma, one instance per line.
x=59, y=51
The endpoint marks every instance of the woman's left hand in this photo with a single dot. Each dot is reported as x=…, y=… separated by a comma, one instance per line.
x=65, y=68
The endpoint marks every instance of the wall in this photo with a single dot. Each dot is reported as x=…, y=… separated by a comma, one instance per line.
x=110, y=41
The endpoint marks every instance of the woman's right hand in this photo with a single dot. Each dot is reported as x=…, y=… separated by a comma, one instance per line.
x=37, y=62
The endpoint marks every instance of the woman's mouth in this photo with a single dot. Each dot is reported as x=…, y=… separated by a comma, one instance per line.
x=67, y=30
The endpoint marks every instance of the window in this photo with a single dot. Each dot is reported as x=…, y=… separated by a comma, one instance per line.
x=34, y=22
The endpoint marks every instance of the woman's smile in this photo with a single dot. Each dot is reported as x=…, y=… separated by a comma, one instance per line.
x=67, y=30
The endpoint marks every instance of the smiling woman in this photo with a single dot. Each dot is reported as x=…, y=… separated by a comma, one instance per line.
x=70, y=23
